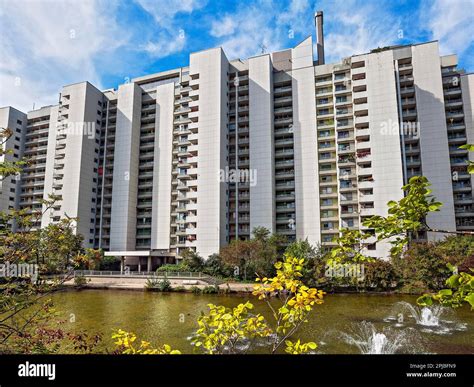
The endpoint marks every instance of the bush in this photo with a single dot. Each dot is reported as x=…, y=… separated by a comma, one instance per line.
x=173, y=268
x=192, y=260
x=158, y=285
x=195, y=289
x=110, y=263
x=214, y=289
x=216, y=267
x=80, y=281
x=421, y=269
x=379, y=275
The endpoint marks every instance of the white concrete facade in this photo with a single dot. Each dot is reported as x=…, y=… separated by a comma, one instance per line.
x=433, y=140
x=125, y=182
x=305, y=143
x=261, y=143
x=161, y=210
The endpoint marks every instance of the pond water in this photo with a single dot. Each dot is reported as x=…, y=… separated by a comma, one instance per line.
x=345, y=323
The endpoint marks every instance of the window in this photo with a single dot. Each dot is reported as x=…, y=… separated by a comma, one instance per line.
x=19, y=122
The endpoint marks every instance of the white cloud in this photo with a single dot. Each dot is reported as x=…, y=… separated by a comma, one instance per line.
x=165, y=46
x=44, y=45
x=260, y=23
x=172, y=36
x=164, y=11
x=223, y=27
x=452, y=23
x=353, y=28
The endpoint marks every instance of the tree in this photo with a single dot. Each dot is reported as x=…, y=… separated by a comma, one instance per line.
x=192, y=260
x=215, y=267
x=8, y=168
x=460, y=290
x=470, y=148
x=406, y=218
x=350, y=247
x=256, y=255
x=91, y=259
x=125, y=343
x=297, y=302
x=314, y=257
x=224, y=330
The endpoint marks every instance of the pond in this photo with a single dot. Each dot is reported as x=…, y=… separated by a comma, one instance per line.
x=345, y=323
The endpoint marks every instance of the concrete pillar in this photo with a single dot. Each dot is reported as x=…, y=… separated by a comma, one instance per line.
x=148, y=266
x=139, y=264
x=122, y=264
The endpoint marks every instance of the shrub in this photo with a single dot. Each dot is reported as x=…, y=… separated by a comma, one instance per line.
x=421, y=269
x=158, y=285
x=379, y=275
x=80, y=281
x=216, y=267
x=214, y=289
x=192, y=260
x=195, y=289
x=173, y=268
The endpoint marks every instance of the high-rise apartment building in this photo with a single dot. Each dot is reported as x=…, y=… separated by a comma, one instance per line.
x=149, y=169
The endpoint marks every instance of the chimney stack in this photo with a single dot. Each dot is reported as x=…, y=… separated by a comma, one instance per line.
x=318, y=20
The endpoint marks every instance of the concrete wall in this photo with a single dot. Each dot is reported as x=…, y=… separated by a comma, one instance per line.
x=384, y=142
x=81, y=157
x=433, y=139
x=212, y=67
x=125, y=177
x=262, y=161
x=161, y=205
x=305, y=144
x=467, y=88
x=9, y=118
x=49, y=172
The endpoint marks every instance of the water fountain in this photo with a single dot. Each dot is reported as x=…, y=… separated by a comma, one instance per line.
x=430, y=319
x=368, y=340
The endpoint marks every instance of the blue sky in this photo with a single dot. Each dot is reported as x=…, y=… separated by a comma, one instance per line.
x=47, y=44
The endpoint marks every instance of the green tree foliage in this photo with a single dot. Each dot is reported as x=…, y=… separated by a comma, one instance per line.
x=216, y=267
x=407, y=217
x=470, y=148
x=460, y=290
x=256, y=255
x=405, y=220
x=8, y=168
x=192, y=261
